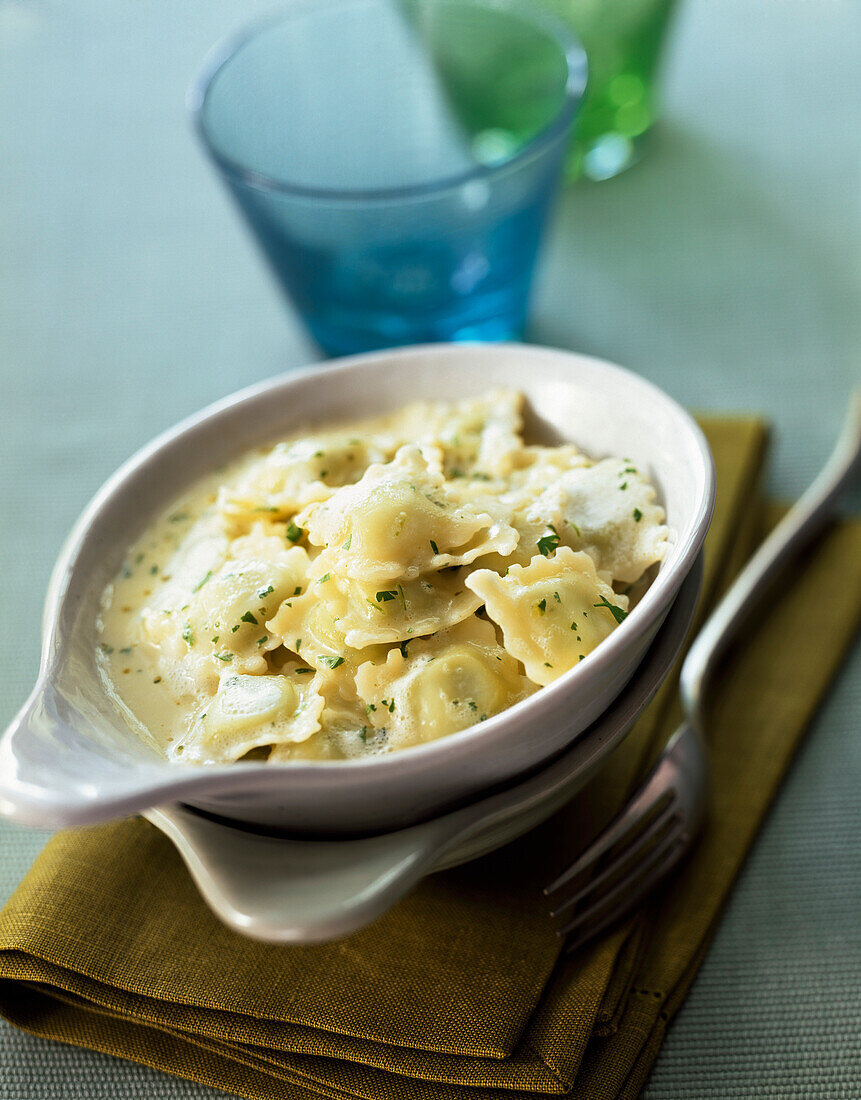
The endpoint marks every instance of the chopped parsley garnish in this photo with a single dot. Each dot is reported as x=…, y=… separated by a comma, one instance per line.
x=262, y=593
x=434, y=546
x=388, y=704
x=386, y=595
x=302, y=671
x=403, y=646
x=153, y=569
x=638, y=515
x=126, y=649
x=249, y=617
x=547, y=664
x=457, y=473
x=224, y=656
x=471, y=703
x=215, y=639
x=294, y=533
x=618, y=614
x=542, y=606
x=556, y=597
x=323, y=579
x=629, y=470
x=298, y=644
x=363, y=733
x=233, y=629
x=348, y=543
x=297, y=591
x=574, y=626
x=624, y=485
x=200, y=584
x=332, y=662
x=105, y=648
x=265, y=638
x=369, y=708
x=188, y=634
x=548, y=543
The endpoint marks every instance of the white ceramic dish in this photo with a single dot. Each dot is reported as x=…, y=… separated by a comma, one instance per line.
x=69, y=757
x=300, y=891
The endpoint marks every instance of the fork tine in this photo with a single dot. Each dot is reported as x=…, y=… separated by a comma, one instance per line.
x=615, y=832
x=626, y=893
x=666, y=818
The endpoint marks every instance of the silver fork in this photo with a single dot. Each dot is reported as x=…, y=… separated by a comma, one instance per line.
x=657, y=827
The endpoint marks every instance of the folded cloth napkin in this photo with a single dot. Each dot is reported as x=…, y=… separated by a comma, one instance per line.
x=462, y=992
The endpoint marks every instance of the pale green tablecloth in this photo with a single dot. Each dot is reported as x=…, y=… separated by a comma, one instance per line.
x=725, y=267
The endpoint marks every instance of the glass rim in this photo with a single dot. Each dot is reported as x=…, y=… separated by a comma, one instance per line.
x=227, y=48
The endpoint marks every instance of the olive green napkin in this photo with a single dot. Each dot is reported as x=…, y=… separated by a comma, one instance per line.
x=461, y=992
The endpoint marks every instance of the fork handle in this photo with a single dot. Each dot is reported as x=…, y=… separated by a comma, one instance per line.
x=797, y=528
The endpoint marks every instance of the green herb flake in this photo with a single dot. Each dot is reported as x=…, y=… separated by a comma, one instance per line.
x=265, y=638
x=574, y=626
x=541, y=606
x=188, y=634
x=624, y=485
x=434, y=546
x=548, y=543
x=370, y=707
x=224, y=656
x=153, y=569
x=471, y=703
x=294, y=533
x=332, y=662
x=200, y=584
x=249, y=617
x=556, y=597
x=105, y=648
x=177, y=517
x=547, y=664
x=233, y=629
x=618, y=614
x=262, y=593
x=298, y=644
x=386, y=595
x=302, y=671
x=638, y=515
x=323, y=579
x=215, y=639
x=363, y=733
x=297, y=591
x=348, y=543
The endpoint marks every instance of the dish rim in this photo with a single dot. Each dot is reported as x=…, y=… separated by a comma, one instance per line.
x=643, y=618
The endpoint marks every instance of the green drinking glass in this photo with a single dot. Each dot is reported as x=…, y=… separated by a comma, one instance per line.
x=623, y=40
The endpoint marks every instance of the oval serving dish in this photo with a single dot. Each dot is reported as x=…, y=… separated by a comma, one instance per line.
x=70, y=758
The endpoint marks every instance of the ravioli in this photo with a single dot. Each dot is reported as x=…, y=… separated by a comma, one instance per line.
x=552, y=612
x=356, y=590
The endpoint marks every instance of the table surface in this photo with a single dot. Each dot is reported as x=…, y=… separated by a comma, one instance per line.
x=725, y=267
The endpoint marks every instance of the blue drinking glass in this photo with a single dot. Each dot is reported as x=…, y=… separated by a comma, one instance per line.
x=396, y=159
